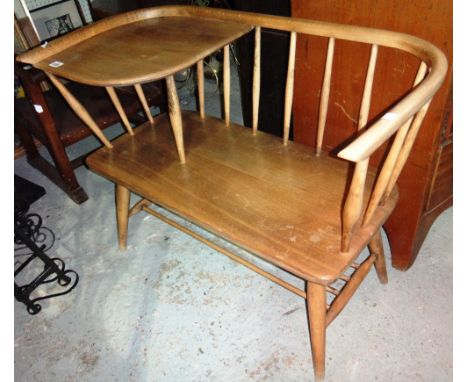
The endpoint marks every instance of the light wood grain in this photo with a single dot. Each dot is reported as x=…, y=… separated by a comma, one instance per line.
x=144, y=21
x=201, y=87
x=80, y=111
x=265, y=206
x=288, y=97
x=366, y=97
x=144, y=103
x=333, y=290
x=405, y=150
x=118, y=106
x=138, y=207
x=390, y=161
x=146, y=49
x=376, y=248
x=279, y=202
x=349, y=289
x=354, y=201
x=256, y=80
x=325, y=95
x=316, y=309
x=222, y=25
x=175, y=117
x=205, y=15
x=122, y=203
x=227, y=85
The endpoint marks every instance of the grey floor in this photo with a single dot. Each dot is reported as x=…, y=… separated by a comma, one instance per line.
x=172, y=309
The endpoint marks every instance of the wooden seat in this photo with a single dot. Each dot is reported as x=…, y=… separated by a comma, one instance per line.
x=302, y=210
x=253, y=191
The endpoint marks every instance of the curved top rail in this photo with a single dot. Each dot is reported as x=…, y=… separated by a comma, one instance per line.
x=113, y=52
x=408, y=43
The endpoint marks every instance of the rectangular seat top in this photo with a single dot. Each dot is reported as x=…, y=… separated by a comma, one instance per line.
x=282, y=203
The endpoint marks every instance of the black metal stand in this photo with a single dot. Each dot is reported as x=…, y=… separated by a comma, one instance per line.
x=29, y=232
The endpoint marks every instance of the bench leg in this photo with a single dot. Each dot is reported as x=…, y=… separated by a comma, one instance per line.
x=317, y=309
x=376, y=248
x=122, y=204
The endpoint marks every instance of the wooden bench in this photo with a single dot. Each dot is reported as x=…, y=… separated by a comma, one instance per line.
x=304, y=211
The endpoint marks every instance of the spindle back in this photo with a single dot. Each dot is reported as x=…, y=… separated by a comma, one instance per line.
x=401, y=120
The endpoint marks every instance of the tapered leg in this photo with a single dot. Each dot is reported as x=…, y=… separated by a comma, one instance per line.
x=175, y=116
x=317, y=309
x=376, y=247
x=122, y=204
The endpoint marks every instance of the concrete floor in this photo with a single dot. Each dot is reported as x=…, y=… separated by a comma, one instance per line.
x=172, y=309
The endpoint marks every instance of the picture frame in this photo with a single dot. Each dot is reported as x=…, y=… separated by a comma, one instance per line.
x=56, y=19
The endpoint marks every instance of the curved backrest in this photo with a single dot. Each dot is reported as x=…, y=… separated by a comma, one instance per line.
x=401, y=120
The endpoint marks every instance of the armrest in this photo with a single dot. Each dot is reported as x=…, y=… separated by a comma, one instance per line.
x=416, y=102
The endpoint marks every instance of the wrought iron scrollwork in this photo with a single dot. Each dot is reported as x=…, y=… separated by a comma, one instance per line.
x=32, y=240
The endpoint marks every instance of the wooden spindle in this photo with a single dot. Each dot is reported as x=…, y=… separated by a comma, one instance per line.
x=288, y=97
x=406, y=149
x=256, y=81
x=366, y=97
x=141, y=96
x=201, y=88
x=79, y=109
x=353, y=205
x=348, y=290
x=324, y=98
x=118, y=106
x=332, y=290
x=138, y=206
x=376, y=248
x=175, y=116
x=227, y=85
x=391, y=159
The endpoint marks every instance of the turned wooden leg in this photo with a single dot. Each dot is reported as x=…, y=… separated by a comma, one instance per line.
x=317, y=309
x=122, y=204
x=376, y=248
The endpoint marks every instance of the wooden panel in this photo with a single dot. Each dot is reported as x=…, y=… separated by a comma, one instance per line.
x=394, y=73
x=442, y=184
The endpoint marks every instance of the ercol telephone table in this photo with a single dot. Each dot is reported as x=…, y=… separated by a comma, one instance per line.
x=305, y=211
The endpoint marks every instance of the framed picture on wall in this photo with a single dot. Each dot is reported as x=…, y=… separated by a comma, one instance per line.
x=56, y=19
